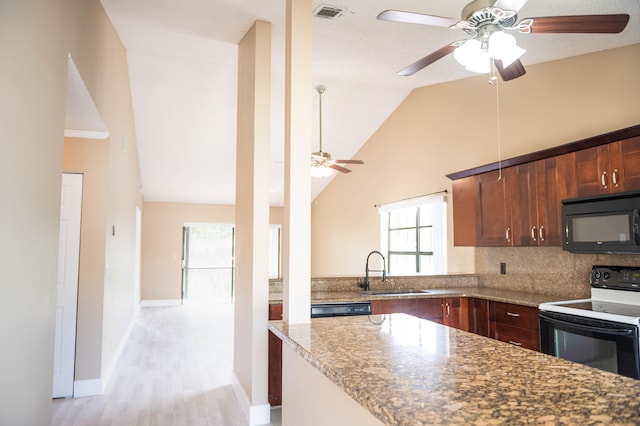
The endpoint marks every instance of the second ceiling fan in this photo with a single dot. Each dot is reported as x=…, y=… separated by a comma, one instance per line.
x=321, y=162
x=486, y=21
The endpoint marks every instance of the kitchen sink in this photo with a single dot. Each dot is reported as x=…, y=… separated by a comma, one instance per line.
x=398, y=292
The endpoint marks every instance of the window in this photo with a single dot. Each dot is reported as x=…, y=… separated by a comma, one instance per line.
x=414, y=235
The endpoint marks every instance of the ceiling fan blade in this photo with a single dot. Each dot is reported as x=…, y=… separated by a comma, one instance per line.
x=514, y=5
x=515, y=70
x=339, y=168
x=416, y=18
x=349, y=161
x=429, y=59
x=578, y=24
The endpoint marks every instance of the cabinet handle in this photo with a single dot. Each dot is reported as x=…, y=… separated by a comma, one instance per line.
x=533, y=233
x=448, y=309
x=541, y=233
x=515, y=343
x=513, y=314
x=507, y=234
x=566, y=233
x=603, y=179
x=614, y=177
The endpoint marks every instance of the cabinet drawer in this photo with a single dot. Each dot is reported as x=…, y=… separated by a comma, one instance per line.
x=514, y=315
x=516, y=336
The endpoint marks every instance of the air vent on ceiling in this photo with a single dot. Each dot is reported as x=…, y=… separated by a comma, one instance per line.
x=327, y=12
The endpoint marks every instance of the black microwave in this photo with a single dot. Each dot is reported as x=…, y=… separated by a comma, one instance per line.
x=602, y=224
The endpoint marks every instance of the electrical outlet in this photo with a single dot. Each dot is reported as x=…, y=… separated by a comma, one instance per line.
x=503, y=268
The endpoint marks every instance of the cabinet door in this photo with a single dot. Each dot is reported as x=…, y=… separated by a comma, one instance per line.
x=522, y=202
x=493, y=225
x=275, y=370
x=553, y=184
x=626, y=166
x=455, y=312
x=592, y=173
x=393, y=306
x=429, y=309
x=464, y=211
x=479, y=316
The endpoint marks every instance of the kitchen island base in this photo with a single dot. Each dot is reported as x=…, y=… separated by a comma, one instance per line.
x=311, y=399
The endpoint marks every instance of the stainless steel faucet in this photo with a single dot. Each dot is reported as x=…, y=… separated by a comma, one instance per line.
x=365, y=284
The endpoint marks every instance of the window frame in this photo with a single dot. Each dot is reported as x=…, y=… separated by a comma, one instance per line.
x=438, y=251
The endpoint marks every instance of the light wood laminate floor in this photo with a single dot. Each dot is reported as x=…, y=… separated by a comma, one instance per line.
x=176, y=369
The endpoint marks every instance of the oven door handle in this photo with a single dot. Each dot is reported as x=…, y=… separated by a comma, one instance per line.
x=615, y=331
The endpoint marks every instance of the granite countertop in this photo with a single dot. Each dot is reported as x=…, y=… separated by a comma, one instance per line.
x=409, y=371
x=517, y=297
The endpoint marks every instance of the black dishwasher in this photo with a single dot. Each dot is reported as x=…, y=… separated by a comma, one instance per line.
x=340, y=309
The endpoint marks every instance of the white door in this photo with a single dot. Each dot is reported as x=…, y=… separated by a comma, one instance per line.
x=67, y=285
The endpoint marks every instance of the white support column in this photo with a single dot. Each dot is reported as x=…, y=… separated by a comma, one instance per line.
x=297, y=205
x=250, y=362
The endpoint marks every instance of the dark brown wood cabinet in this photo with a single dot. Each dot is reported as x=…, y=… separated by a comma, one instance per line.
x=479, y=316
x=455, y=312
x=610, y=168
x=429, y=309
x=515, y=324
x=393, y=306
x=275, y=359
x=535, y=194
x=518, y=202
x=481, y=216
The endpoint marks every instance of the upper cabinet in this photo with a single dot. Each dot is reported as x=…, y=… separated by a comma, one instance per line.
x=604, y=169
x=520, y=204
x=535, y=197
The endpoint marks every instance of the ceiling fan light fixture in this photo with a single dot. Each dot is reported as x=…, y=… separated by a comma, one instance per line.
x=473, y=57
x=476, y=55
x=321, y=171
x=503, y=46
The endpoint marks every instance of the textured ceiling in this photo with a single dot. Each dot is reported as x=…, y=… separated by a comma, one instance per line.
x=182, y=59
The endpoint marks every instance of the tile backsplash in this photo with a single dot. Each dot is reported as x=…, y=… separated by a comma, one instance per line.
x=548, y=270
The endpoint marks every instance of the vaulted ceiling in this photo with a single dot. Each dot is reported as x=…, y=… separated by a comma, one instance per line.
x=182, y=58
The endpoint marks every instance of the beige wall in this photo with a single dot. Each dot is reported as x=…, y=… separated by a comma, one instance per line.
x=107, y=292
x=162, y=242
x=451, y=127
x=33, y=38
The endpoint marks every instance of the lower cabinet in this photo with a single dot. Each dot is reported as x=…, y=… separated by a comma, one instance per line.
x=275, y=359
x=515, y=324
x=511, y=323
x=479, y=316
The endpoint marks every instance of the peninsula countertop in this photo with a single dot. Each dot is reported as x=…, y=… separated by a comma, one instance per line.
x=408, y=371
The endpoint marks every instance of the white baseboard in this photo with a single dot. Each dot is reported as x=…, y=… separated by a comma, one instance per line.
x=156, y=303
x=106, y=376
x=94, y=387
x=83, y=388
x=256, y=414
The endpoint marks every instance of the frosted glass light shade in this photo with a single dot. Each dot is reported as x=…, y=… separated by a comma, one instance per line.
x=500, y=46
x=321, y=171
x=472, y=57
x=503, y=46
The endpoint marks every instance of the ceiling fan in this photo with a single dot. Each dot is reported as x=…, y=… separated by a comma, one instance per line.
x=322, y=164
x=486, y=21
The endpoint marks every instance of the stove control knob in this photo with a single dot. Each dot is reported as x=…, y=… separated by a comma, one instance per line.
x=606, y=276
x=597, y=274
